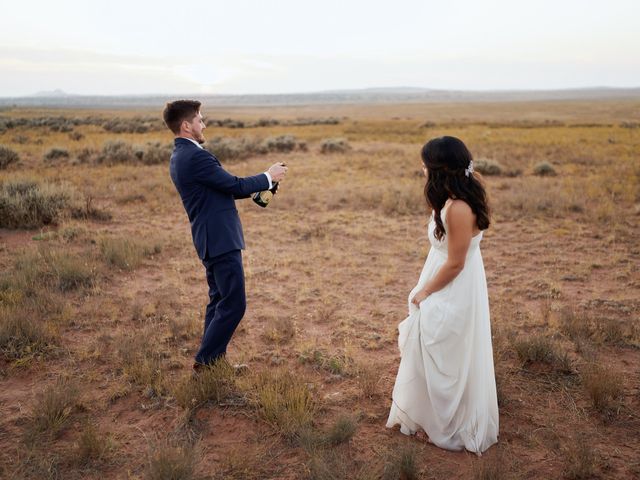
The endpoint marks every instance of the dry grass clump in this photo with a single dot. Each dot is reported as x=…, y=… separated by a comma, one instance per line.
x=581, y=460
x=283, y=400
x=334, y=145
x=402, y=463
x=92, y=445
x=30, y=204
x=342, y=430
x=253, y=461
x=600, y=328
x=339, y=432
x=24, y=333
x=141, y=361
x=611, y=330
x=493, y=468
x=538, y=198
x=367, y=376
x=7, y=157
x=335, y=464
x=574, y=325
x=213, y=383
x=30, y=462
x=280, y=330
x=604, y=386
x=31, y=299
x=339, y=364
x=47, y=269
x=126, y=253
x=52, y=408
x=400, y=199
x=171, y=460
x=540, y=349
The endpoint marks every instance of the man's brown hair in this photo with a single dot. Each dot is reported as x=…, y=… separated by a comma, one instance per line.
x=177, y=112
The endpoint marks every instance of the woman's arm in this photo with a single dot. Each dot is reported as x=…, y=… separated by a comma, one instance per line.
x=460, y=223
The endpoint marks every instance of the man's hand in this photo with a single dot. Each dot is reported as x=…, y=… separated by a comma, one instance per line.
x=277, y=171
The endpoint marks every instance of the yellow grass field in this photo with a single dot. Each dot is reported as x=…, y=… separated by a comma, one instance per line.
x=102, y=295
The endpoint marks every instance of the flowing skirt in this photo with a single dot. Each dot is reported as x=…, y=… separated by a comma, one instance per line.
x=446, y=383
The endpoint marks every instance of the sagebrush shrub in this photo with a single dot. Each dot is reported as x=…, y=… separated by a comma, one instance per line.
x=7, y=157
x=56, y=154
x=334, y=145
x=29, y=204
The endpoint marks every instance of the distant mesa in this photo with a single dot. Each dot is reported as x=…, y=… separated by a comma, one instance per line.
x=57, y=93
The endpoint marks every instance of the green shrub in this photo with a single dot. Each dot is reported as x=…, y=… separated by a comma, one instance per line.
x=334, y=145
x=116, y=151
x=132, y=125
x=487, y=166
x=29, y=204
x=229, y=149
x=56, y=154
x=544, y=169
x=284, y=143
x=156, y=154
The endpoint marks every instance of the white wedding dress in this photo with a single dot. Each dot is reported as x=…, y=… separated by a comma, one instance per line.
x=446, y=383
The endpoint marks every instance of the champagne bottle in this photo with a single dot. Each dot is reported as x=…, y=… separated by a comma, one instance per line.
x=263, y=198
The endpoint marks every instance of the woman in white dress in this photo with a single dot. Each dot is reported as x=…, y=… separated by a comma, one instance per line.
x=445, y=383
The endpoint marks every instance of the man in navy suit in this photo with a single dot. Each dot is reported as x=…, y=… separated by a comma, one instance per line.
x=208, y=194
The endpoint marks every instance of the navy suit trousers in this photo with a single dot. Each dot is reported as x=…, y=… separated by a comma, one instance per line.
x=227, y=304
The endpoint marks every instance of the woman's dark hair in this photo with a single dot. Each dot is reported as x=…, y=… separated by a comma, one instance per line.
x=446, y=159
x=175, y=113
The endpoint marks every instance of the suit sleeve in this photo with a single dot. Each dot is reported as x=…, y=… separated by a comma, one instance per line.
x=209, y=172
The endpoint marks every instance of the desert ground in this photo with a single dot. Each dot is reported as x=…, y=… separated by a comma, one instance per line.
x=102, y=294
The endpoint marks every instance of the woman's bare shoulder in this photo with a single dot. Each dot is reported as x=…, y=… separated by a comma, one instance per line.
x=460, y=208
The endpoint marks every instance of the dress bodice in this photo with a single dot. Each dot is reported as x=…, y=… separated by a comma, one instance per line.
x=442, y=245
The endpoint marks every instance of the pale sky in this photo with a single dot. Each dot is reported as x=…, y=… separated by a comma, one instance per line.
x=113, y=47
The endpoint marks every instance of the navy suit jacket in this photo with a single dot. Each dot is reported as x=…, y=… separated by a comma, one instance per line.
x=208, y=194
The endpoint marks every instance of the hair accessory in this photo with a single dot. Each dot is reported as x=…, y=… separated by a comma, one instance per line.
x=469, y=170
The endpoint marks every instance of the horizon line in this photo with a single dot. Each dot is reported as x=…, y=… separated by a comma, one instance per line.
x=59, y=93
